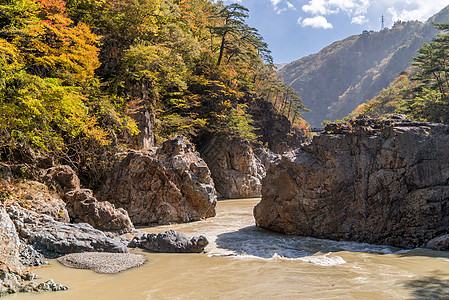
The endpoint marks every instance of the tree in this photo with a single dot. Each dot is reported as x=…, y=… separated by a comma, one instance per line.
x=46, y=92
x=235, y=35
x=430, y=98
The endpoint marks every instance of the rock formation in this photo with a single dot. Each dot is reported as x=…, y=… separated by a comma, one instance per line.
x=266, y=157
x=62, y=178
x=10, y=246
x=376, y=181
x=171, y=184
x=274, y=129
x=144, y=117
x=13, y=273
x=53, y=238
x=236, y=170
x=84, y=208
x=169, y=241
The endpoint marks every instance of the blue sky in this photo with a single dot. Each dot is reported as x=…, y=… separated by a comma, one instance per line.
x=297, y=28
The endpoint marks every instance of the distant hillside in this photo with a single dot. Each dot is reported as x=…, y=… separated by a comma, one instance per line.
x=333, y=82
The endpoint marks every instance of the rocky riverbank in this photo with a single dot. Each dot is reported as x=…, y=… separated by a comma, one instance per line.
x=45, y=213
x=380, y=181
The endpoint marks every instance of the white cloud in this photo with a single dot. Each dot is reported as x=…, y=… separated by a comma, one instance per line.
x=415, y=10
x=282, y=5
x=359, y=20
x=355, y=9
x=316, y=22
x=328, y=7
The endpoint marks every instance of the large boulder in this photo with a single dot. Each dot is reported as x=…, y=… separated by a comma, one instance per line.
x=169, y=241
x=63, y=178
x=375, y=181
x=83, y=207
x=171, y=184
x=236, y=170
x=53, y=238
x=13, y=273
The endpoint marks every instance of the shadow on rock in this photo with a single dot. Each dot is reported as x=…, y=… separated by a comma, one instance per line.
x=429, y=287
x=262, y=243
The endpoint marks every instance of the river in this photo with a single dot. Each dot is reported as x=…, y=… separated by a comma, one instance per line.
x=246, y=262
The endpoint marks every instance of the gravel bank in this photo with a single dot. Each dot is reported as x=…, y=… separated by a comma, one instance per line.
x=101, y=262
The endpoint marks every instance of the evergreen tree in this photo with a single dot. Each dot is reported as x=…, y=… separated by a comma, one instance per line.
x=235, y=34
x=430, y=97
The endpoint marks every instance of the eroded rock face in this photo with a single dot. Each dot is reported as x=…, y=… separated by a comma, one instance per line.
x=169, y=241
x=9, y=245
x=171, y=184
x=144, y=118
x=83, y=207
x=236, y=170
x=375, y=181
x=80, y=204
x=275, y=130
x=62, y=178
x=53, y=238
x=12, y=271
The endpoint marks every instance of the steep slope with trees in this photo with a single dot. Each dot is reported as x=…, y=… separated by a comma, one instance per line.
x=76, y=74
x=422, y=93
x=343, y=75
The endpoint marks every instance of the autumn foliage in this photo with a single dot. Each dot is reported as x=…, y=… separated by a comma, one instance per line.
x=69, y=68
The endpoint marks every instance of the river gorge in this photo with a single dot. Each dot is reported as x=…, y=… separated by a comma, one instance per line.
x=243, y=261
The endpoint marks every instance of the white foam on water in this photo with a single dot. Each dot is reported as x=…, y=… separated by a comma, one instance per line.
x=232, y=233
x=361, y=280
x=324, y=260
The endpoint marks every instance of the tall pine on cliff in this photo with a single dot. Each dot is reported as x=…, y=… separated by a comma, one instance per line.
x=70, y=69
x=345, y=74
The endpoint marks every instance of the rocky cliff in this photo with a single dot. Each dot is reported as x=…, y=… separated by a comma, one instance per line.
x=376, y=181
x=170, y=184
x=274, y=130
x=236, y=170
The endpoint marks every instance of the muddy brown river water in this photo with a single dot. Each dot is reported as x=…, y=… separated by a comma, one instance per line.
x=246, y=262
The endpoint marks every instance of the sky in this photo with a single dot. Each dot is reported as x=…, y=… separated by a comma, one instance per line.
x=297, y=28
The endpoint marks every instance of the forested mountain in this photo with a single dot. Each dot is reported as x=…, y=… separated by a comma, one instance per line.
x=76, y=73
x=345, y=74
x=421, y=93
